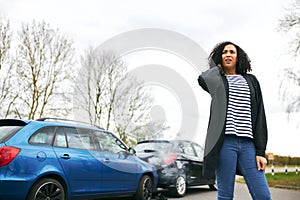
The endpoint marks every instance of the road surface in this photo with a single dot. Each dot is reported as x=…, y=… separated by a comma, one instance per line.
x=241, y=193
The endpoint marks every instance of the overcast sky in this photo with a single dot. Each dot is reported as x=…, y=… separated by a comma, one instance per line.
x=251, y=24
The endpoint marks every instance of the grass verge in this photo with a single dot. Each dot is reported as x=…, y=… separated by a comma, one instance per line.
x=281, y=180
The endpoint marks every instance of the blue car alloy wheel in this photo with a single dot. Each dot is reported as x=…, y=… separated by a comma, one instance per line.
x=47, y=189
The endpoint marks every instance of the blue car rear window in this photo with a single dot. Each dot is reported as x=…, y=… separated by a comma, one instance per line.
x=7, y=132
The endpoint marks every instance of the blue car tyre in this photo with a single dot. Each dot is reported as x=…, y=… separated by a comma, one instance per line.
x=47, y=188
x=145, y=188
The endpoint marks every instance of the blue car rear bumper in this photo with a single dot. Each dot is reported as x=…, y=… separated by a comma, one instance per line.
x=14, y=189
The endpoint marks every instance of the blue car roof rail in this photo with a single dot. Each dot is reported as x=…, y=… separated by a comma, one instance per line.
x=67, y=120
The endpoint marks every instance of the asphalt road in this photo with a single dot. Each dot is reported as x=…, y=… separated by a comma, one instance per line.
x=241, y=193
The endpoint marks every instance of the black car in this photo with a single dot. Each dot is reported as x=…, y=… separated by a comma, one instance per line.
x=178, y=163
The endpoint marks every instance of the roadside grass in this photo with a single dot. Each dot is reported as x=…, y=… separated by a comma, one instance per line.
x=281, y=180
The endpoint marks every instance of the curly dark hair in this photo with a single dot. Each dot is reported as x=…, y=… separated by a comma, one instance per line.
x=243, y=62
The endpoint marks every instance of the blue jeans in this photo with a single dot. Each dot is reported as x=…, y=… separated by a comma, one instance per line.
x=239, y=152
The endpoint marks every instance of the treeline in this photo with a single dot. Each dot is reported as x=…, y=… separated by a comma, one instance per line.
x=42, y=75
x=285, y=160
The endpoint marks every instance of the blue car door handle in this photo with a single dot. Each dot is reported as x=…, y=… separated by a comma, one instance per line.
x=65, y=156
x=106, y=160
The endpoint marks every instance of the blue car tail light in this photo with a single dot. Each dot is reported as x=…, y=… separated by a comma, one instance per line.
x=7, y=154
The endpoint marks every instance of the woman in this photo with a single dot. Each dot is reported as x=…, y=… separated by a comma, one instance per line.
x=237, y=132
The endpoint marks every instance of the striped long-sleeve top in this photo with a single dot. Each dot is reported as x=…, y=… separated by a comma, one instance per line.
x=238, y=120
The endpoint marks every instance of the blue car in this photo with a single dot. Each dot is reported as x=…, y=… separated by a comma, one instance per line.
x=46, y=159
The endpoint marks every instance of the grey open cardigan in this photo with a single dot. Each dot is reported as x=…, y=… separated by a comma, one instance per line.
x=215, y=83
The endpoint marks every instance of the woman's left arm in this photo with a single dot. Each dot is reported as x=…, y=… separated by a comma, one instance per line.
x=261, y=130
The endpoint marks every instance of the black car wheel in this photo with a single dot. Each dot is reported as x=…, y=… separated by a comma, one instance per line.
x=145, y=188
x=47, y=189
x=180, y=187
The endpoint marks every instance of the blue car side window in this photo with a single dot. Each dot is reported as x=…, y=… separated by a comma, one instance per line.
x=60, y=138
x=73, y=139
x=109, y=143
x=43, y=136
x=87, y=138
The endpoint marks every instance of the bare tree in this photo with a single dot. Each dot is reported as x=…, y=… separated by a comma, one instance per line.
x=111, y=98
x=44, y=64
x=290, y=24
x=133, y=121
x=98, y=82
x=7, y=96
x=290, y=85
x=5, y=36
